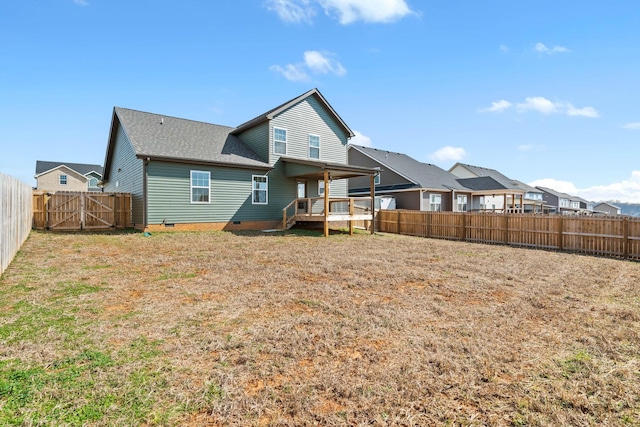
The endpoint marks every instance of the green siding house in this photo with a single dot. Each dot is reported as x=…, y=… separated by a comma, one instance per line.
x=191, y=175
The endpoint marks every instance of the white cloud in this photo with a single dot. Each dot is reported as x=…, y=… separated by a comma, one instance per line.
x=346, y=11
x=291, y=72
x=537, y=103
x=627, y=190
x=448, y=154
x=543, y=106
x=542, y=48
x=81, y=2
x=633, y=126
x=360, y=139
x=323, y=63
x=314, y=63
x=582, y=112
x=496, y=106
x=292, y=10
x=504, y=48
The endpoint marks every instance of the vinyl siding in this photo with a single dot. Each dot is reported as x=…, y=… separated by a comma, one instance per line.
x=125, y=175
x=387, y=177
x=258, y=139
x=169, y=195
x=50, y=181
x=305, y=118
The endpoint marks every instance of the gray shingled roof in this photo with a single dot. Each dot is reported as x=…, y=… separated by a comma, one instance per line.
x=507, y=182
x=481, y=183
x=43, y=166
x=158, y=136
x=424, y=175
x=554, y=192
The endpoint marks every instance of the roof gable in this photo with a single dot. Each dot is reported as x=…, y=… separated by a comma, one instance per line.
x=285, y=106
x=505, y=181
x=43, y=166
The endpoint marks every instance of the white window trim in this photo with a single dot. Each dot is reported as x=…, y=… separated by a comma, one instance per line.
x=439, y=204
x=191, y=187
x=321, y=183
x=66, y=179
x=253, y=188
x=286, y=141
x=376, y=179
x=318, y=147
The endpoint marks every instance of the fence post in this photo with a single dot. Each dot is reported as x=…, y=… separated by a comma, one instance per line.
x=506, y=228
x=429, y=224
x=463, y=232
x=398, y=222
x=560, y=234
x=625, y=241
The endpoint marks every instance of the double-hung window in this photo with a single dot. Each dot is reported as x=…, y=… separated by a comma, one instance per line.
x=314, y=147
x=376, y=179
x=63, y=180
x=260, y=192
x=435, y=202
x=200, y=186
x=280, y=141
x=462, y=203
x=320, y=188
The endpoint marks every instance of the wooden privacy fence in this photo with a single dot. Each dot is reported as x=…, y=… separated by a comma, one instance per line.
x=72, y=211
x=604, y=236
x=15, y=217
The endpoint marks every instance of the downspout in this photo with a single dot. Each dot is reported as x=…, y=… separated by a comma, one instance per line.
x=145, y=173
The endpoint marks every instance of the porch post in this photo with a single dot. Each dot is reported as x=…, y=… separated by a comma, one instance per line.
x=326, y=203
x=372, y=182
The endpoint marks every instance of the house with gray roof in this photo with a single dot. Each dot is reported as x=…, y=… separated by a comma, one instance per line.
x=185, y=174
x=606, y=208
x=415, y=185
x=66, y=176
x=496, y=192
x=559, y=202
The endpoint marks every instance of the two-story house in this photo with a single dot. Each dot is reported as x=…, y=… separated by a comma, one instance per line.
x=65, y=176
x=559, y=202
x=494, y=191
x=191, y=175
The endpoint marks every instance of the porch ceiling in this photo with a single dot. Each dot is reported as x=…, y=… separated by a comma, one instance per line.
x=309, y=169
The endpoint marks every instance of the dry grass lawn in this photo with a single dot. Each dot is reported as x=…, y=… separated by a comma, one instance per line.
x=296, y=329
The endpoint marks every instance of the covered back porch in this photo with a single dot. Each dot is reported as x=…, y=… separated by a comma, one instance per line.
x=325, y=208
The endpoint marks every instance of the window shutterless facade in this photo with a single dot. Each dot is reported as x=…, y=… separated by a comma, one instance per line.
x=279, y=141
x=62, y=179
x=260, y=191
x=200, y=186
x=376, y=179
x=314, y=146
x=320, y=188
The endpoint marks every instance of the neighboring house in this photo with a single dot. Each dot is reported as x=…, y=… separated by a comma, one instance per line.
x=64, y=176
x=560, y=203
x=493, y=191
x=415, y=185
x=187, y=174
x=604, y=208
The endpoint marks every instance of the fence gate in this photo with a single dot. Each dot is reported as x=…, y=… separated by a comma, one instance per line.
x=82, y=211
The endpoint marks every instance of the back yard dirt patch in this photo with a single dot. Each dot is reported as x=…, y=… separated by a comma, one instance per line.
x=298, y=329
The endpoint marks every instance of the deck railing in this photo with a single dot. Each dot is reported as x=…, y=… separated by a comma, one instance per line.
x=340, y=209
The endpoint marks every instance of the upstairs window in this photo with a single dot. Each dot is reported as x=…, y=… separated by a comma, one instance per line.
x=93, y=182
x=200, y=186
x=314, y=147
x=260, y=190
x=280, y=141
x=63, y=180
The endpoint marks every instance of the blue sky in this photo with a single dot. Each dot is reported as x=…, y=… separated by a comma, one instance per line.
x=546, y=92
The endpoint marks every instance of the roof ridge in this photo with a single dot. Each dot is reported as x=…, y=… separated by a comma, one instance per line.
x=173, y=117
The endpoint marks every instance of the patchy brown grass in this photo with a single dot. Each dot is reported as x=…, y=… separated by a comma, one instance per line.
x=296, y=329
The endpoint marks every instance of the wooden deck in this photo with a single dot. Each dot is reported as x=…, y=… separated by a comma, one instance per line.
x=348, y=209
